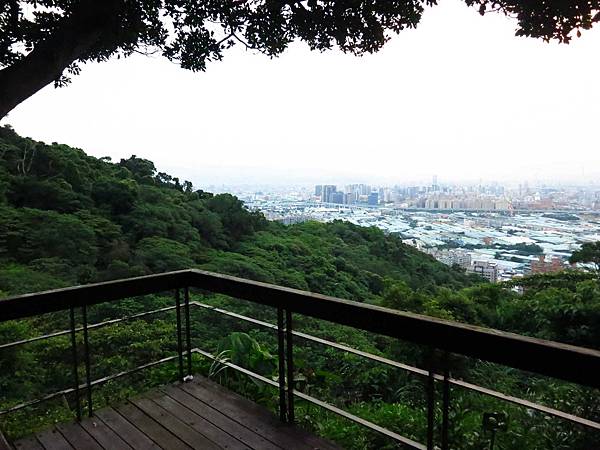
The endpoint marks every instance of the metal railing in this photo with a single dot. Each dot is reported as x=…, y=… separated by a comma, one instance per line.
x=569, y=363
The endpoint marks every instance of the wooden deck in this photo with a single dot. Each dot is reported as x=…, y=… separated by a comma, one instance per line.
x=195, y=415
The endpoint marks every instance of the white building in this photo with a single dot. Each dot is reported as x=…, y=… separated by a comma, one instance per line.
x=485, y=269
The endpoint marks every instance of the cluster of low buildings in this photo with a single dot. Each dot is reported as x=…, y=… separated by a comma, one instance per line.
x=452, y=202
x=495, y=271
x=495, y=231
x=497, y=245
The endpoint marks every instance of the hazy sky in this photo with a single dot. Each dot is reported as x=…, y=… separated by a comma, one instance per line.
x=459, y=97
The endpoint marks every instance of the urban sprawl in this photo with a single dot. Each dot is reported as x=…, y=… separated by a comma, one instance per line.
x=495, y=231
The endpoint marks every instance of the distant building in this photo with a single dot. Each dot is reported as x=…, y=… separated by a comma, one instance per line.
x=543, y=266
x=451, y=257
x=373, y=198
x=463, y=259
x=485, y=269
x=326, y=192
x=336, y=197
x=451, y=202
x=318, y=190
x=434, y=184
x=387, y=195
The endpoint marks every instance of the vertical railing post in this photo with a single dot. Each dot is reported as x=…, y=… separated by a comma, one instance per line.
x=188, y=336
x=445, y=403
x=430, y=404
x=281, y=359
x=86, y=355
x=290, y=365
x=179, y=337
x=75, y=362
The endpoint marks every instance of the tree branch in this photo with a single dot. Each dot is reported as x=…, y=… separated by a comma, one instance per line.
x=47, y=61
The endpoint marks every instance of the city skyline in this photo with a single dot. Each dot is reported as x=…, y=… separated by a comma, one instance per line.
x=433, y=101
x=434, y=196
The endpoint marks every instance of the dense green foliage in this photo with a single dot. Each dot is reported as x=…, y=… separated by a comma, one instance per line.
x=589, y=253
x=67, y=218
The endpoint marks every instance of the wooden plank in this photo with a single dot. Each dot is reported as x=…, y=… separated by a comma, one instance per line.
x=103, y=434
x=53, y=440
x=255, y=417
x=220, y=420
x=126, y=431
x=175, y=425
x=30, y=443
x=163, y=437
x=78, y=437
x=201, y=425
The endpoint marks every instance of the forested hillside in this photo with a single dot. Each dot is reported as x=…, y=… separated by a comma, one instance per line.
x=67, y=218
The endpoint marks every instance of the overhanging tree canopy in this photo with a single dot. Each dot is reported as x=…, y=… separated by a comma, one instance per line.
x=43, y=41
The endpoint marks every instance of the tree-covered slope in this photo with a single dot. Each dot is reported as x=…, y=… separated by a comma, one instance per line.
x=69, y=218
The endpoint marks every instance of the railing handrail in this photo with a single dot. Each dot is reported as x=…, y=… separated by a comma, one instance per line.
x=576, y=364
x=297, y=334
x=36, y=303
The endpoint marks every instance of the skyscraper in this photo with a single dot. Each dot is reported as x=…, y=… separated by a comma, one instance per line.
x=336, y=197
x=328, y=189
x=373, y=198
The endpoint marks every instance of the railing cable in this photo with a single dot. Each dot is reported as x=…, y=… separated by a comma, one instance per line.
x=415, y=370
x=331, y=408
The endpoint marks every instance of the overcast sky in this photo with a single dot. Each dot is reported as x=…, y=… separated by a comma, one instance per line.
x=459, y=97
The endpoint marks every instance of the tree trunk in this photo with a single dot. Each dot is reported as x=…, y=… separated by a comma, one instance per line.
x=79, y=33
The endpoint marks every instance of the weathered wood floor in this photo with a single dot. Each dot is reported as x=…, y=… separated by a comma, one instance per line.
x=199, y=414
